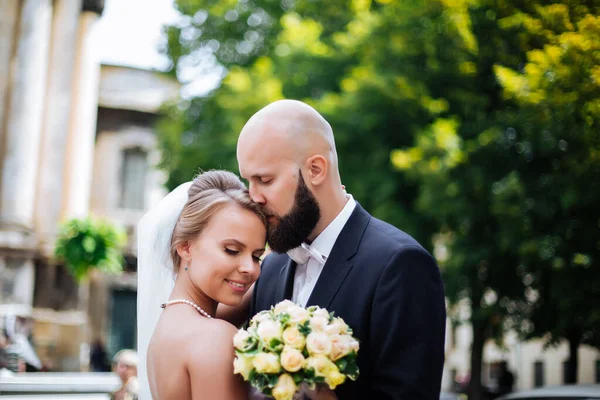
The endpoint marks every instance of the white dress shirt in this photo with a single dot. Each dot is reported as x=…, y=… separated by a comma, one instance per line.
x=307, y=274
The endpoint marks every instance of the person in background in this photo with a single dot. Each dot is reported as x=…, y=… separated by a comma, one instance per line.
x=125, y=366
x=98, y=358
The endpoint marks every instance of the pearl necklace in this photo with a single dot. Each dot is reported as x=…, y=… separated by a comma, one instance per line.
x=191, y=303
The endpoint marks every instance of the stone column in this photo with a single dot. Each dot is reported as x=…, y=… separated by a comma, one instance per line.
x=24, y=116
x=82, y=132
x=56, y=119
x=9, y=14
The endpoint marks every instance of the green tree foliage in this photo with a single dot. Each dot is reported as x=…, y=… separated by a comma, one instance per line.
x=471, y=124
x=555, y=185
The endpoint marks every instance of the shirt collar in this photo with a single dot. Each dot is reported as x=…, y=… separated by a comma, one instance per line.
x=326, y=239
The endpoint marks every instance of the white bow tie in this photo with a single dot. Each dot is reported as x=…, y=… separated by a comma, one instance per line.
x=304, y=252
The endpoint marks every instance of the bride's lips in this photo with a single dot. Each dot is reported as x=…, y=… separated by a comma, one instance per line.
x=237, y=286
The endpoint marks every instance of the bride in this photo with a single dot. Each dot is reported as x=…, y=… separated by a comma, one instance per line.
x=205, y=239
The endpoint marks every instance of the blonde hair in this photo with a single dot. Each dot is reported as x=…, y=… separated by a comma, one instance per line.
x=127, y=356
x=210, y=191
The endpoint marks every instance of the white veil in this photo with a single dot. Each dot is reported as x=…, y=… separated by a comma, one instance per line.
x=155, y=271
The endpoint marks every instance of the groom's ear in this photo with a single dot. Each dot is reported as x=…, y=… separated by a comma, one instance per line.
x=317, y=169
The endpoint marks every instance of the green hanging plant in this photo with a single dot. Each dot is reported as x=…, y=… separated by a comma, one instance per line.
x=84, y=244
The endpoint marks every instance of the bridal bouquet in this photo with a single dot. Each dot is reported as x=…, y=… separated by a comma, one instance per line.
x=290, y=346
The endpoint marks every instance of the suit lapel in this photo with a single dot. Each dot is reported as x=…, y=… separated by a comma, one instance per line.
x=333, y=274
x=339, y=263
x=285, y=281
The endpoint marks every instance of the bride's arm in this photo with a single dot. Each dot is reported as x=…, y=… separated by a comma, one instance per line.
x=236, y=315
x=211, y=367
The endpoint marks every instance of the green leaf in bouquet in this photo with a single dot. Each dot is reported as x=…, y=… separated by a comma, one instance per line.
x=248, y=353
x=258, y=380
x=273, y=379
x=342, y=364
x=283, y=318
x=275, y=345
x=312, y=309
x=305, y=328
x=331, y=316
x=298, y=377
x=348, y=366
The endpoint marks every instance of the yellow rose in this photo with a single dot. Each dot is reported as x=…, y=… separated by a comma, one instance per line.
x=292, y=359
x=337, y=326
x=318, y=323
x=320, y=364
x=298, y=314
x=334, y=378
x=340, y=346
x=267, y=363
x=283, y=306
x=268, y=330
x=242, y=364
x=284, y=388
x=318, y=343
x=240, y=340
x=293, y=337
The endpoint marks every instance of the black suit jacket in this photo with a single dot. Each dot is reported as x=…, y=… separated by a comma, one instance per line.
x=388, y=289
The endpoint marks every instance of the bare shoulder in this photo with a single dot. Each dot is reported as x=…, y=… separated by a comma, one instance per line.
x=217, y=336
x=209, y=359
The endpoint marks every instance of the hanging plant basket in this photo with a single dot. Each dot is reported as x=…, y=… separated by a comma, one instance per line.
x=86, y=244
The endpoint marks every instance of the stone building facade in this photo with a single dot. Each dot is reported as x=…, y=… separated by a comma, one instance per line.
x=76, y=139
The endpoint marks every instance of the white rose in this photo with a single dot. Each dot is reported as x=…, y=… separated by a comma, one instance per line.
x=318, y=324
x=337, y=326
x=267, y=363
x=260, y=317
x=293, y=337
x=340, y=346
x=354, y=344
x=298, y=314
x=240, y=340
x=318, y=343
x=283, y=306
x=292, y=359
x=285, y=388
x=268, y=330
x=320, y=312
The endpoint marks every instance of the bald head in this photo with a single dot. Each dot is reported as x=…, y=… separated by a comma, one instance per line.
x=287, y=153
x=294, y=129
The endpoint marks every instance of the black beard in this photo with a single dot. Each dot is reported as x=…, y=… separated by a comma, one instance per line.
x=295, y=227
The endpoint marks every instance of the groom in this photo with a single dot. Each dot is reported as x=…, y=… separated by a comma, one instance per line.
x=328, y=251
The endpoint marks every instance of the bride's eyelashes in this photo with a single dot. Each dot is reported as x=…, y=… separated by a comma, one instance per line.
x=236, y=252
x=231, y=252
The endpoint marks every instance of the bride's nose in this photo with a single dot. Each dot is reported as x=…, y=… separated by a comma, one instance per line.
x=247, y=265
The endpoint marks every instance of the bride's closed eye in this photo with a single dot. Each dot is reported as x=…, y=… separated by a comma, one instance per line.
x=232, y=252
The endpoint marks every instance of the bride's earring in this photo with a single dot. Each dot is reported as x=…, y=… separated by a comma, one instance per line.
x=187, y=264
